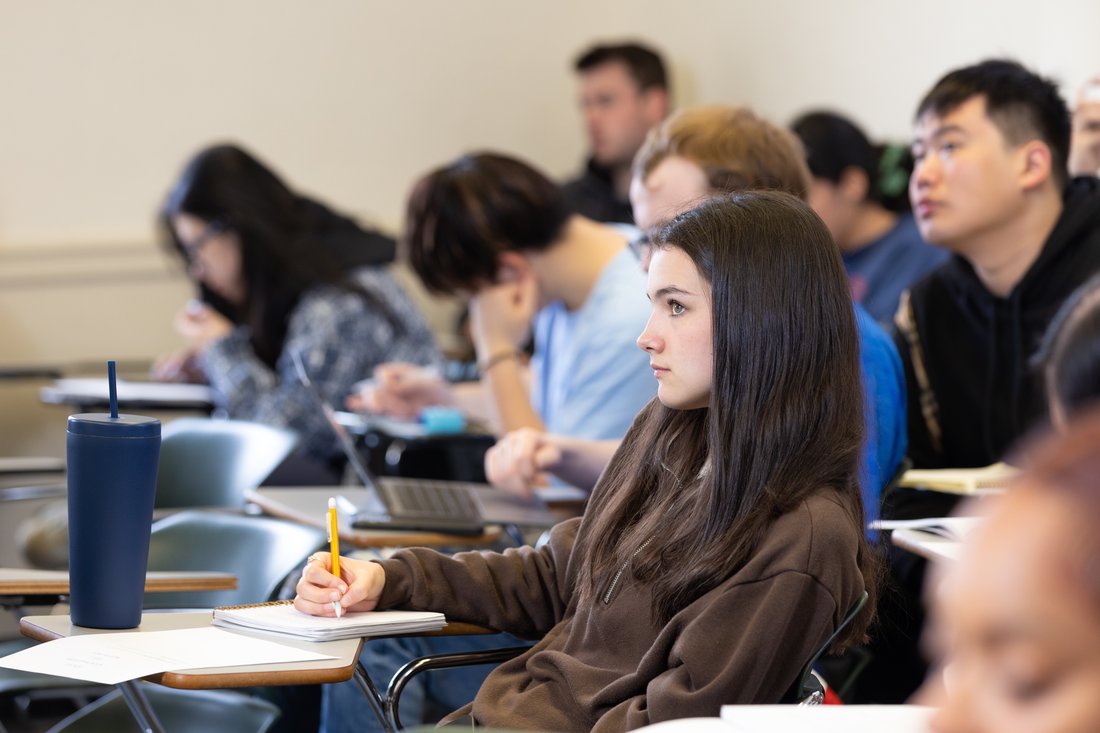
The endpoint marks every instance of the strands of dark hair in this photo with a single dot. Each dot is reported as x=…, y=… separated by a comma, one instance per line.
x=462, y=216
x=642, y=62
x=1021, y=103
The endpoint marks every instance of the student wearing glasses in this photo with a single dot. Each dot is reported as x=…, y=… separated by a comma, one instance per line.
x=725, y=541
x=280, y=274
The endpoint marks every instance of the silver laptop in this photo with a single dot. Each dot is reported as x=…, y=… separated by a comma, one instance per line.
x=453, y=507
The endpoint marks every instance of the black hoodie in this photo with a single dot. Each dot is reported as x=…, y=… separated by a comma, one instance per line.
x=976, y=347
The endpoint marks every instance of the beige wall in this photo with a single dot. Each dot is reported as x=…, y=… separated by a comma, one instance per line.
x=351, y=99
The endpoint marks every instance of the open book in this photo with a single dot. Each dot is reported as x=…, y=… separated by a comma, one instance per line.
x=280, y=617
x=960, y=480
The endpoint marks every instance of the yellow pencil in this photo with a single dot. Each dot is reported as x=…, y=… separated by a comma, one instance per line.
x=334, y=548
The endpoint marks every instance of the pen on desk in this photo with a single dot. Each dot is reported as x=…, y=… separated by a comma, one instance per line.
x=334, y=548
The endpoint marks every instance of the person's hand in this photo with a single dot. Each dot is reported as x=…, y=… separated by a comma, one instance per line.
x=501, y=315
x=179, y=366
x=358, y=588
x=400, y=390
x=1084, y=151
x=200, y=325
x=517, y=462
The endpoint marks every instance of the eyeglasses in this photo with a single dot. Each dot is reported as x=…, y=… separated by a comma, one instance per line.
x=191, y=249
x=640, y=246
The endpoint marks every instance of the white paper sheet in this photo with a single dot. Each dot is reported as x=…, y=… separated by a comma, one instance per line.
x=113, y=658
x=826, y=718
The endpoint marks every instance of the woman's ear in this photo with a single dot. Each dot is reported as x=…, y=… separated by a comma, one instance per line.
x=853, y=184
x=512, y=267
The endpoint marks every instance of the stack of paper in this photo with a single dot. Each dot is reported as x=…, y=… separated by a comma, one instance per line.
x=950, y=528
x=826, y=718
x=282, y=618
x=960, y=480
x=112, y=658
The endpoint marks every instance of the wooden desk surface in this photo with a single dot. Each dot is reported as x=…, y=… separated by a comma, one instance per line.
x=31, y=582
x=346, y=651
x=926, y=544
x=308, y=506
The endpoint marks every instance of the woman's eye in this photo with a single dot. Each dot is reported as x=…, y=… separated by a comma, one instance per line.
x=1028, y=690
x=675, y=308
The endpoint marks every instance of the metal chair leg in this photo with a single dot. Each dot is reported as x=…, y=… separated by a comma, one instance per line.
x=378, y=705
x=139, y=706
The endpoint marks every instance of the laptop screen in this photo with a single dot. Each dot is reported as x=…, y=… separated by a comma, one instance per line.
x=342, y=436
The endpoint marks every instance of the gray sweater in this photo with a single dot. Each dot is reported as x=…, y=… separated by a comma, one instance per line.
x=608, y=666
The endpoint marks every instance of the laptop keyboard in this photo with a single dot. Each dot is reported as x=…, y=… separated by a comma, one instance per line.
x=430, y=498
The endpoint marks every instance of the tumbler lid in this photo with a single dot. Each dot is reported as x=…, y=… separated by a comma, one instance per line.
x=101, y=424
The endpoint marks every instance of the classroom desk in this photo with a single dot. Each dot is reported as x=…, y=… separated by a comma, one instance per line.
x=927, y=545
x=32, y=582
x=91, y=394
x=346, y=652
x=308, y=505
x=29, y=371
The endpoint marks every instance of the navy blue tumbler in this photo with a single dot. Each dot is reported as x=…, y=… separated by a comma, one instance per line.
x=112, y=476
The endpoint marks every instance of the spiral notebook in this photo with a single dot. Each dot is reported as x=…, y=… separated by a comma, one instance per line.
x=280, y=617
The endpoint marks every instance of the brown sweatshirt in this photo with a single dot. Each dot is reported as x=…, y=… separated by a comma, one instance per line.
x=607, y=666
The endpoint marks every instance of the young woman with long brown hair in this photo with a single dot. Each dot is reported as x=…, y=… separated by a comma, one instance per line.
x=724, y=543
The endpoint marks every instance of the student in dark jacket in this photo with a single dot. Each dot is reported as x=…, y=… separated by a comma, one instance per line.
x=724, y=542
x=990, y=184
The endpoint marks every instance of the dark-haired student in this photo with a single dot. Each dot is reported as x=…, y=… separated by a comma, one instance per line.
x=494, y=228
x=990, y=184
x=624, y=92
x=882, y=248
x=281, y=274
x=725, y=541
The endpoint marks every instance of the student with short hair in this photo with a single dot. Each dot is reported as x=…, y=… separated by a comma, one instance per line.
x=624, y=91
x=693, y=579
x=494, y=228
x=990, y=184
x=882, y=248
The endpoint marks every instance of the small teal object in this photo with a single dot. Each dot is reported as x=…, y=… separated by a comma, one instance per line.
x=439, y=420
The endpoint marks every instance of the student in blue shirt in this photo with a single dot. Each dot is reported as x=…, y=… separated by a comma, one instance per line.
x=492, y=227
x=859, y=192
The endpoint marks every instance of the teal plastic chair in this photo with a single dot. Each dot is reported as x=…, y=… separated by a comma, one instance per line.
x=212, y=463
x=260, y=551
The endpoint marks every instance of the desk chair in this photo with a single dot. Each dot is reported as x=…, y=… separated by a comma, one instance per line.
x=211, y=463
x=806, y=690
x=261, y=552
